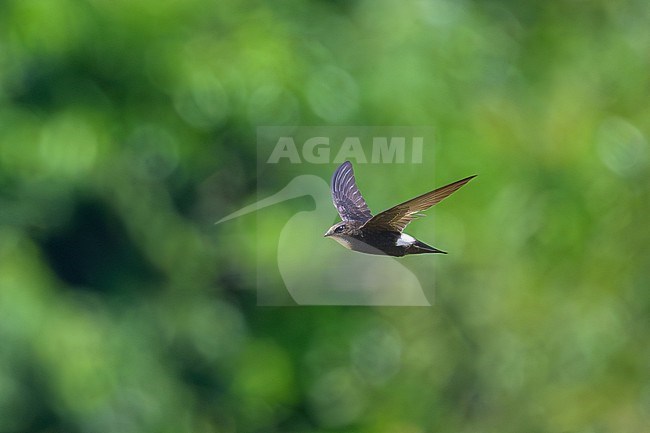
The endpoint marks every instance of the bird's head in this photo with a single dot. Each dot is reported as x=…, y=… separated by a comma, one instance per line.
x=337, y=230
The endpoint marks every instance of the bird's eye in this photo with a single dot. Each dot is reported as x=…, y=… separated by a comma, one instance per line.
x=339, y=229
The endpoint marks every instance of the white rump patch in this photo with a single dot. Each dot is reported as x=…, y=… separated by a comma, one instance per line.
x=405, y=240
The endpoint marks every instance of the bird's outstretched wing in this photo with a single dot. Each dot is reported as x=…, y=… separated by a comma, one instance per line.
x=346, y=196
x=398, y=217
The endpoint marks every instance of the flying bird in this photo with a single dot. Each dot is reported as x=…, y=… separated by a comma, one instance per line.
x=382, y=234
x=301, y=268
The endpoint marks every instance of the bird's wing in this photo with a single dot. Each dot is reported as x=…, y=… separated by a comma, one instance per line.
x=398, y=217
x=346, y=196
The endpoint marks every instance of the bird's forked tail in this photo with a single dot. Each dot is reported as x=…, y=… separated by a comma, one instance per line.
x=421, y=248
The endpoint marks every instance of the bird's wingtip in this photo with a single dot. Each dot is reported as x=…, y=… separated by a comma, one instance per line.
x=467, y=179
x=345, y=163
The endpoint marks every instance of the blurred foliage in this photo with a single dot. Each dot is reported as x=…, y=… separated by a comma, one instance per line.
x=128, y=127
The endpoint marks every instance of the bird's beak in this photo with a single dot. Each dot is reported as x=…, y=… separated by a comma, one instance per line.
x=326, y=235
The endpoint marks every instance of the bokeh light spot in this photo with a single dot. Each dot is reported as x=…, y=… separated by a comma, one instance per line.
x=333, y=94
x=621, y=146
x=152, y=152
x=68, y=146
x=376, y=354
x=337, y=398
x=273, y=105
x=202, y=102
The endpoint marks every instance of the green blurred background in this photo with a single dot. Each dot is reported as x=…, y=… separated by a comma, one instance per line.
x=127, y=128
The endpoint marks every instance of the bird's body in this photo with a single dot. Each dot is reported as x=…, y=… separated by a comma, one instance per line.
x=381, y=242
x=381, y=234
